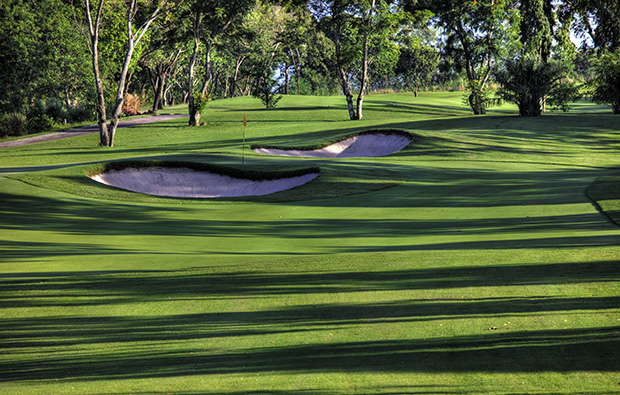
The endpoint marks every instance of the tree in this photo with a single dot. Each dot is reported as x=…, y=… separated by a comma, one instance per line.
x=478, y=33
x=417, y=64
x=94, y=20
x=353, y=27
x=607, y=82
x=527, y=81
x=210, y=20
x=41, y=58
x=598, y=19
x=536, y=28
x=166, y=46
x=533, y=75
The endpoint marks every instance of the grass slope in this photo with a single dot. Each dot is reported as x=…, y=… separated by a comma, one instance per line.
x=471, y=262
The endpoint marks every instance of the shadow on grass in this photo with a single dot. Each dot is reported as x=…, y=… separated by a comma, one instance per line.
x=115, y=288
x=563, y=350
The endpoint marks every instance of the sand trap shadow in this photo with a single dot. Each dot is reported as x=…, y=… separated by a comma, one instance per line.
x=183, y=182
x=365, y=144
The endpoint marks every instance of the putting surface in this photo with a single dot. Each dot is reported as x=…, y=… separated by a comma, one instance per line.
x=485, y=269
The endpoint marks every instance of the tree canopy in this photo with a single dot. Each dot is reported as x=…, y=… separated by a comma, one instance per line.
x=70, y=59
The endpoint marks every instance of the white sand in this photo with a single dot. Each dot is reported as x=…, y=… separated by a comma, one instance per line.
x=365, y=145
x=182, y=182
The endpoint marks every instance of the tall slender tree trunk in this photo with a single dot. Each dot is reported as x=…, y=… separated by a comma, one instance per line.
x=208, y=72
x=120, y=93
x=194, y=114
x=298, y=66
x=364, y=77
x=286, y=77
x=101, y=108
x=107, y=132
x=346, y=89
x=343, y=77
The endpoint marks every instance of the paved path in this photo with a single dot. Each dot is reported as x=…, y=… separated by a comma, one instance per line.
x=91, y=129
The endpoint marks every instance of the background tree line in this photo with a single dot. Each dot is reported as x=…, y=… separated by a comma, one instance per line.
x=78, y=60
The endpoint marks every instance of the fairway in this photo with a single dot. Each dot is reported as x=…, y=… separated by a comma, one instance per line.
x=471, y=261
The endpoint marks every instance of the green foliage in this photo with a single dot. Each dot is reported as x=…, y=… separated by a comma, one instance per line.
x=40, y=123
x=606, y=85
x=478, y=33
x=200, y=101
x=267, y=92
x=79, y=113
x=562, y=94
x=42, y=55
x=13, y=124
x=417, y=64
x=478, y=97
x=527, y=82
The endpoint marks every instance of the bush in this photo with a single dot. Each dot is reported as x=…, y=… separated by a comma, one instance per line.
x=79, y=113
x=200, y=101
x=478, y=98
x=13, y=124
x=606, y=85
x=266, y=91
x=527, y=81
x=40, y=123
x=55, y=112
x=131, y=104
x=562, y=94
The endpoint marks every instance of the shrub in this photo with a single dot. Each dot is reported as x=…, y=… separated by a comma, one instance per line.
x=606, y=85
x=266, y=91
x=478, y=98
x=13, y=124
x=200, y=101
x=40, y=123
x=131, y=104
x=79, y=113
x=527, y=81
x=55, y=111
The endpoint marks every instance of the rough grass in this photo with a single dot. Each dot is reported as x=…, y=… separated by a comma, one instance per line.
x=471, y=262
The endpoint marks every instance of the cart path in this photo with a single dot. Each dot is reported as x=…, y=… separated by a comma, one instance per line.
x=91, y=129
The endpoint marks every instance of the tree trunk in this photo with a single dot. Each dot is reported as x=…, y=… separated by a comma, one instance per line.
x=298, y=63
x=159, y=93
x=346, y=89
x=364, y=77
x=208, y=73
x=343, y=78
x=286, y=77
x=101, y=108
x=194, y=114
x=235, y=84
x=93, y=29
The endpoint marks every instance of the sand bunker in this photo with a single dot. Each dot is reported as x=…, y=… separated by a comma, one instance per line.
x=187, y=183
x=362, y=145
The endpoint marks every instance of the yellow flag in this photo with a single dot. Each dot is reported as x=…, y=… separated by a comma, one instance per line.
x=244, y=121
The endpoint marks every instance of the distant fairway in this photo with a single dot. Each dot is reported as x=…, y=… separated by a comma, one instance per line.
x=472, y=261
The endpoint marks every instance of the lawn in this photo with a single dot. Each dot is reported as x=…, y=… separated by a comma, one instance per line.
x=480, y=259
